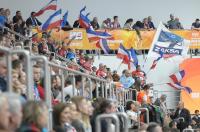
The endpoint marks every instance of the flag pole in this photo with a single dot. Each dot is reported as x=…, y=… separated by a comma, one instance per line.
x=119, y=66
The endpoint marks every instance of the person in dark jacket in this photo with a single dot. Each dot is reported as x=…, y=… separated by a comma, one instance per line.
x=182, y=116
x=33, y=21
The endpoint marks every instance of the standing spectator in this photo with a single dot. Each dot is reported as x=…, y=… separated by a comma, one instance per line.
x=143, y=96
x=32, y=21
x=106, y=24
x=35, y=117
x=139, y=74
x=196, y=25
x=95, y=23
x=8, y=23
x=172, y=23
x=146, y=24
x=15, y=110
x=138, y=25
x=128, y=24
x=126, y=80
x=115, y=23
x=19, y=28
x=179, y=25
x=115, y=76
x=180, y=113
x=71, y=55
x=56, y=86
x=4, y=114
x=17, y=16
x=151, y=24
x=3, y=74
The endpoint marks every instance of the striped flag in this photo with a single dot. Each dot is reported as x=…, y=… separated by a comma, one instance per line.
x=103, y=45
x=52, y=5
x=53, y=21
x=177, y=77
x=178, y=86
x=156, y=61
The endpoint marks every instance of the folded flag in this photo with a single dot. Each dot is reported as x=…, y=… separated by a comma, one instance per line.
x=178, y=86
x=53, y=21
x=52, y=5
x=177, y=77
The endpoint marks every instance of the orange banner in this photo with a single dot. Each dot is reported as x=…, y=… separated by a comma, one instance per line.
x=191, y=79
x=127, y=38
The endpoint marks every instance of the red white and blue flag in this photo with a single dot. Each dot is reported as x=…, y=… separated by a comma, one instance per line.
x=52, y=5
x=84, y=21
x=177, y=77
x=156, y=60
x=128, y=56
x=53, y=21
x=178, y=86
x=103, y=44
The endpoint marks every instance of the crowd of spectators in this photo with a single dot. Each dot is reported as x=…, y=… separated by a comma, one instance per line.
x=77, y=113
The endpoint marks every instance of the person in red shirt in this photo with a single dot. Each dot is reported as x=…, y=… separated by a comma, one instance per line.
x=138, y=73
x=101, y=71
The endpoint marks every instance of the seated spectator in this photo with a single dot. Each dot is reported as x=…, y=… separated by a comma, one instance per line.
x=101, y=72
x=126, y=80
x=106, y=24
x=18, y=87
x=62, y=118
x=4, y=114
x=151, y=25
x=154, y=127
x=95, y=23
x=172, y=23
x=128, y=24
x=115, y=76
x=68, y=90
x=15, y=109
x=3, y=75
x=115, y=23
x=196, y=25
x=17, y=16
x=17, y=65
x=141, y=75
x=179, y=25
x=83, y=108
x=196, y=117
x=180, y=113
x=38, y=89
x=56, y=86
x=131, y=111
x=43, y=47
x=71, y=54
x=35, y=117
x=88, y=64
x=32, y=21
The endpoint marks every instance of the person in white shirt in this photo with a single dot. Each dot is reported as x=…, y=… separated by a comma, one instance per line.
x=132, y=112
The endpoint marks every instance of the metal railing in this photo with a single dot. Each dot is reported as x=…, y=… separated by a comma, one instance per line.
x=109, y=119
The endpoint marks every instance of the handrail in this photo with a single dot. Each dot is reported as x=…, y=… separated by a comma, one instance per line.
x=147, y=113
x=125, y=117
x=107, y=116
x=77, y=72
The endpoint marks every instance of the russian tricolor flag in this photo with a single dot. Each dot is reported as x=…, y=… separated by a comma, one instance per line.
x=178, y=86
x=53, y=21
x=177, y=77
x=156, y=61
x=52, y=5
